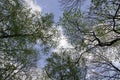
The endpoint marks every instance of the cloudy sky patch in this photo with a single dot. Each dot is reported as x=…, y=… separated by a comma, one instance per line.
x=33, y=5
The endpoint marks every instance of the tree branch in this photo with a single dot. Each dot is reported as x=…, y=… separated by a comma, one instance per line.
x=102, y=44
x=114, y=22
x=84, y=52
x=14, y=35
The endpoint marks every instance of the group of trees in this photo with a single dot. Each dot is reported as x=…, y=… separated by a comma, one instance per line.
x=19, y=31
x=94, y=34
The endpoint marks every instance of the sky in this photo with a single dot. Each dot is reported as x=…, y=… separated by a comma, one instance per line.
x=50, y=6
x=45, y=6
x=33, y=5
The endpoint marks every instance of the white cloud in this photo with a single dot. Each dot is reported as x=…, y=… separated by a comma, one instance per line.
x=32, y=4
x=63, y=42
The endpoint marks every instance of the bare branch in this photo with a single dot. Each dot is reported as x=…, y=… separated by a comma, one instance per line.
x=114, y=22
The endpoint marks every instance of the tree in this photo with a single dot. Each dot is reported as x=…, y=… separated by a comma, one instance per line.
x=61, y=67
x=95, y=35
x=19, y=30
x=72, y=5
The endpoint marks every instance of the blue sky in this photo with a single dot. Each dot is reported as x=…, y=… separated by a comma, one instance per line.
x=51, y=6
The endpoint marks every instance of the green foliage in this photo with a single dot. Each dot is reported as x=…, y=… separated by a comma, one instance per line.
x=62, y=67
x=74, y=27
x=103, y=10
x=19, y=31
